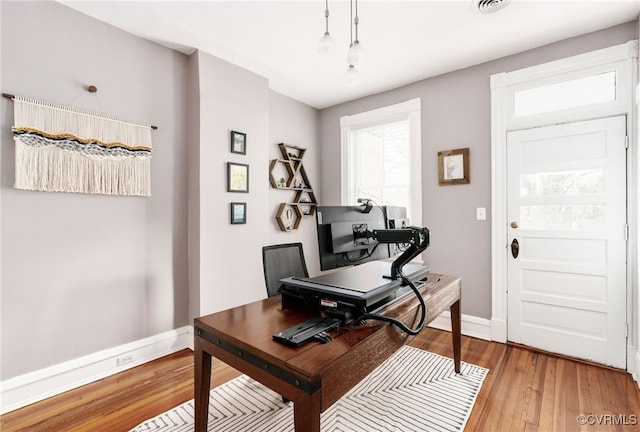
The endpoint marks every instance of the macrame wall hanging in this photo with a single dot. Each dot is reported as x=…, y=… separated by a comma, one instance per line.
x=60, y=149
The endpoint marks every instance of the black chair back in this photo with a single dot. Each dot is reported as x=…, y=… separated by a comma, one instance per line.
x=281, y=261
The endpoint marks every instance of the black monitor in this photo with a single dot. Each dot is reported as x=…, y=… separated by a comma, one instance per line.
x=336, y=225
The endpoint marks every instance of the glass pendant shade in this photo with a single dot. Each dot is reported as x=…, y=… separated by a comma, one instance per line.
x=351, y=76
x=356, y=54
x=326, y=46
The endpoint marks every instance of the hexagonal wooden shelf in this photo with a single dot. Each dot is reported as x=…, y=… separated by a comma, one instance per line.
x=288, y=217
x=289, y=173
x=306, y=201
x=283, y=169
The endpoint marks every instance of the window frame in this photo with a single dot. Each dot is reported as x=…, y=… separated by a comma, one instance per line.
x=409, y=110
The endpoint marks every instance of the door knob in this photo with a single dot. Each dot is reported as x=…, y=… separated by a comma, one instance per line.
x=515, y=248
x=514, y=224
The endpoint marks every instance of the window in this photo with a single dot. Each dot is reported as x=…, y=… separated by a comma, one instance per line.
x=381, y=158
x=589, y=90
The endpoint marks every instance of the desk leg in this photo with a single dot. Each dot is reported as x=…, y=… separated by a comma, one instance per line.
x=202, y=378
x=455, y=332
x=306, y=412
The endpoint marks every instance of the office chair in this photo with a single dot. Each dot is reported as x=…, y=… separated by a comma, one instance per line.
x=281, y=261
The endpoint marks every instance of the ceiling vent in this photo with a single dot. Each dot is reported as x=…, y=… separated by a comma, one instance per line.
x=489, y=6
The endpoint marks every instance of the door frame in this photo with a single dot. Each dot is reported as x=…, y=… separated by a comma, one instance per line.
x=624, y=59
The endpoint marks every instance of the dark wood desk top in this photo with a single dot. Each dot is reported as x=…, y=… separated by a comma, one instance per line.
x=250, y=327
x=312, y=376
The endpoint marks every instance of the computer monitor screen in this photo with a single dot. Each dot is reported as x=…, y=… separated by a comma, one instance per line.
x=336, y=225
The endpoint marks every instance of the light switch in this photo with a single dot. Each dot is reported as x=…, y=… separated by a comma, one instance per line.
x=481, y=213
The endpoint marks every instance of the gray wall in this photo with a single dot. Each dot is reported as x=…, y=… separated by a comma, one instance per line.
x=82, y=273
x=124, y=268
x=295, y=123
x=228, y=256
x=456, y=113
x=225, y=260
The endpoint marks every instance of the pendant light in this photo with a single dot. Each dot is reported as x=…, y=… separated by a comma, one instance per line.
x=326, y=46
x=351, y=76
x=356, y=54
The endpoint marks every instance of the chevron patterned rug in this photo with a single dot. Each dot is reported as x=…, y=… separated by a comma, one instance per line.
x=413, y=391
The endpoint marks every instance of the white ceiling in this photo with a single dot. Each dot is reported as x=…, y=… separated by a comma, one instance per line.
x=405, y=41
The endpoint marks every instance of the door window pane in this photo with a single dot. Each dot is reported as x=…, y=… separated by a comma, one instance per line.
x=574, y=93
x=582, y=217
x=579, y=182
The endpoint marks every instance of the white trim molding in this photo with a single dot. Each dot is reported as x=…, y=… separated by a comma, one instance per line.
x=633, y=332
x=383, y=114
x=636, y=375
x=633, y=363
x=471, y=325
x=498, y=206
x=44, y=383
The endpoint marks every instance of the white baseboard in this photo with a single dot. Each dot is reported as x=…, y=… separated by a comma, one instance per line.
x=498, y=330
x=471, y=325
x=41, y=384
x=633, y=363
x=636, y=375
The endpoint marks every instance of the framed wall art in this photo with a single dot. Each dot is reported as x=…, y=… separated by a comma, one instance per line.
x=238, y=142
x=238, y=213
x=453, y=166
x=237, y=177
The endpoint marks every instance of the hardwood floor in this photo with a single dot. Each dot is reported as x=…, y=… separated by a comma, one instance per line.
x=524, y=391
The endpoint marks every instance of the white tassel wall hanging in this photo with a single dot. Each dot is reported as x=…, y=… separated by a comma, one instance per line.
x=60, y=149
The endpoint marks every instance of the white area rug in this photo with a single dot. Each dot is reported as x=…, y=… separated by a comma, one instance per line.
x=414, y=390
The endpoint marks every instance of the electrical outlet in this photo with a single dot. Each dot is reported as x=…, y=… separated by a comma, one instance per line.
x=124, y=360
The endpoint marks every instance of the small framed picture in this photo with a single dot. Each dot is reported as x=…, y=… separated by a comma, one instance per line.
x=453, y=167
x=238, y=142
x=237, y=177
x=238, y=213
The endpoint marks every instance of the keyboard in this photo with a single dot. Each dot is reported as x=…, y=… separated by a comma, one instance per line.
x=305, y=331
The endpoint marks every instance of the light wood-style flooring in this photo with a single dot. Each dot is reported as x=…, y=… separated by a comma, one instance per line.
x=524, y=391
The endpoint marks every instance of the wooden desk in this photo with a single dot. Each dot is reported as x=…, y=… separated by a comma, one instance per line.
x=312, y=376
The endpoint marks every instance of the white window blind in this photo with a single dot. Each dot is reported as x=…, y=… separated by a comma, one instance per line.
x=381, y=164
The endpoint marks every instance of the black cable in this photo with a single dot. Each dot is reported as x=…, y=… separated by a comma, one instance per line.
x=397, y=323
x=367, y=254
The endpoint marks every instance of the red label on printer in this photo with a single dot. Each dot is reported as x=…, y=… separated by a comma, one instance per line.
x=328, y=303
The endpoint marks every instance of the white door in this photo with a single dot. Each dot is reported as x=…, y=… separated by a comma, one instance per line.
x=567, y=232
